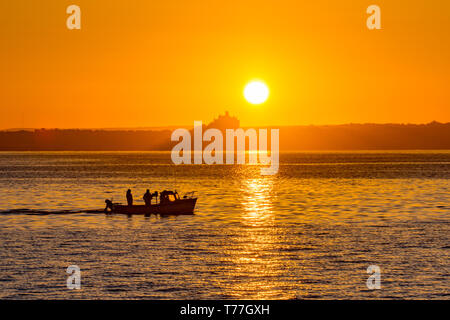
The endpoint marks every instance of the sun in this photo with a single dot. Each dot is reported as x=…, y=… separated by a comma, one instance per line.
x=256, y=92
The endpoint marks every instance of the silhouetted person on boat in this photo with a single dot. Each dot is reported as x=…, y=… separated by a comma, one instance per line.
x=129, y=198
x=109, y=205
x=147, y=198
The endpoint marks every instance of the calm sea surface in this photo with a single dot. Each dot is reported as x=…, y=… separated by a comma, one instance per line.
x=310, y=231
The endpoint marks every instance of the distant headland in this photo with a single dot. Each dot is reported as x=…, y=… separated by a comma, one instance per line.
x=431, y=136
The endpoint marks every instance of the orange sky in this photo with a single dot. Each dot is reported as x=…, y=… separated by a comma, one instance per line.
x=157, y=63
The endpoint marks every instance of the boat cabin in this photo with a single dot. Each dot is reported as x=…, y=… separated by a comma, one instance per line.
x=168, y=196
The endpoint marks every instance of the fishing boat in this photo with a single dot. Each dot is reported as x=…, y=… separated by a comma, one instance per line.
x=169, y=203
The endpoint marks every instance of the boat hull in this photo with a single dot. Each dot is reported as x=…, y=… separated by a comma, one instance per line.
x=177, y=207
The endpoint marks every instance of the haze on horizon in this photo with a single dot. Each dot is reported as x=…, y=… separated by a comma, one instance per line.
x=165, y=63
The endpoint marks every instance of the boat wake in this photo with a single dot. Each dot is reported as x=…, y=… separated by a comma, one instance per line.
x=47, y=212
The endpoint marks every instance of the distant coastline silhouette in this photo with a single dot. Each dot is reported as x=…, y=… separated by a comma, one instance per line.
x=429, y=136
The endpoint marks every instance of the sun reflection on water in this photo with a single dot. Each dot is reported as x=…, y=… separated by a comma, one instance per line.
x=257, y=200
x=253, y=273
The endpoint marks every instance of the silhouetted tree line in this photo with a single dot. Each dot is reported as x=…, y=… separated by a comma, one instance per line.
x=334, y=137
x=85, y=140
x=366, y=137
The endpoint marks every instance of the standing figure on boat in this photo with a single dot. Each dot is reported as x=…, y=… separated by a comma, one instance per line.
x=129, y=198
x=147, y=198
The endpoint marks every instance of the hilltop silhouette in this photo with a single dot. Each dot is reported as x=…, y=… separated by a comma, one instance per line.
x=433, y=135
x=223, y=122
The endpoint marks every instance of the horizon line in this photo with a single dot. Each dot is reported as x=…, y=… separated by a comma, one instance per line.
x=168, y=127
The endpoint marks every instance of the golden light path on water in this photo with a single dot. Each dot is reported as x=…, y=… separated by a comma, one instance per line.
x=260, y=235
